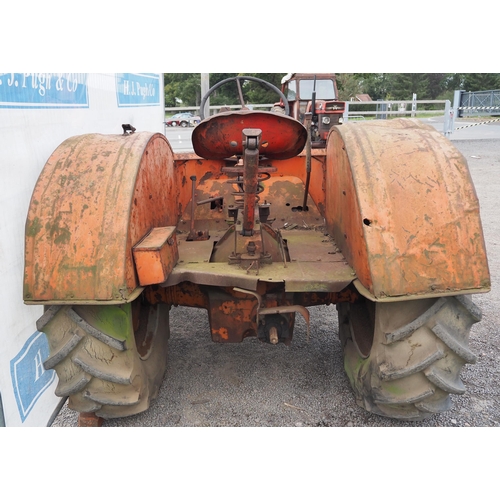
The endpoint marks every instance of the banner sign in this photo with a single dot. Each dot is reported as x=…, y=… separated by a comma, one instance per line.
x=137, y=89
x=29, y=378
x=43, y=90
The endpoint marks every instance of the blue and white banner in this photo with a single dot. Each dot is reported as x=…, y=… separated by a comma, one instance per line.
x=138, y=89
x=43, y=90
x=29, y=378
x=39, y=111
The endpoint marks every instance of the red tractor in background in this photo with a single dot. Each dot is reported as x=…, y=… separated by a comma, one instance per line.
x=314, y=97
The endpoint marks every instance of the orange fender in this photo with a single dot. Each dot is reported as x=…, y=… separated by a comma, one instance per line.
x=96, y=197
x=403, y=210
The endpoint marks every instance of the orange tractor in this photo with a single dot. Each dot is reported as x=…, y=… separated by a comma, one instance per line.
x=256, y=226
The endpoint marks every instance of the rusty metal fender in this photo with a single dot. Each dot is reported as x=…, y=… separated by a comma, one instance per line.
x=96, y=197
x=403, y=209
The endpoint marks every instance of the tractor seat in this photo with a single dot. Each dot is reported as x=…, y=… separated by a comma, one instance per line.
x=220, y=136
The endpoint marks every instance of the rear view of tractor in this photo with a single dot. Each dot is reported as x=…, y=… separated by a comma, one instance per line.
x=256, y=226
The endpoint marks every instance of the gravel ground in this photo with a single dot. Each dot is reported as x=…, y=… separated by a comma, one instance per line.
x=259, y=385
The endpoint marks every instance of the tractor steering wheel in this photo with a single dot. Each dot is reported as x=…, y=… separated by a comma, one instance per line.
x=237, y=79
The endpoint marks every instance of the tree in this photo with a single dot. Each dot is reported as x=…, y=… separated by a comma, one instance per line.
x=474, y=82
x=225, y=95
x=449, y=83
x=253, y=92
x=437, y=85
x=349, y=85
x=257, y=93
x=182, y=89
x=376, y=85
x=404, y=85
x=388, y=86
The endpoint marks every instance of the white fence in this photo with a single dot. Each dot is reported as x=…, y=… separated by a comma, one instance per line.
x=384, y=110
x=195, y=110
x=397, y=108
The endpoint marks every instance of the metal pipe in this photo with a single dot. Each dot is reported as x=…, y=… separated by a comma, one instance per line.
x=193, y=193
x=308, y=160
x=2, y=417
x=209, y=200
x=240, y=92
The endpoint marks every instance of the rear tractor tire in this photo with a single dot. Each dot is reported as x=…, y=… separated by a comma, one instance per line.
x=110, y=359
x=403, y=359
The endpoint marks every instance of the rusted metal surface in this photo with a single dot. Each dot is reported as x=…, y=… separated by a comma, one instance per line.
x=236, y=313
x=264, y=245
x=342, y=210
x=403, y=209
x=348, y=294
x=250, y=177
x=315, y=264
x=283, y=311
x=156, y=255
x=89, y=420
x=283, y=194
x=220, y=136
x=96, y=197
x=214, y=181
x=232, y=316
x=297, y=168
x=183, y=294
x=311, y=246
x=195, y=235
x=298, y=276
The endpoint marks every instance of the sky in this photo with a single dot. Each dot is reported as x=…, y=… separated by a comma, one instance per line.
x=256, y=36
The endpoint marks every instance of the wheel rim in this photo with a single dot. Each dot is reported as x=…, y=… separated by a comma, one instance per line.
x=362, y=326
x=144, y=335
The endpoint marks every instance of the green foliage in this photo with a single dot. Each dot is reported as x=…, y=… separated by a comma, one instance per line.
x=474, y=82
x=404, y=85
x=349, y=85
x=437, y=84
x=376, y=85
x=226, y=94
x=259, y=94
x=401, y=86
x=184, y=89
x=253, y=92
